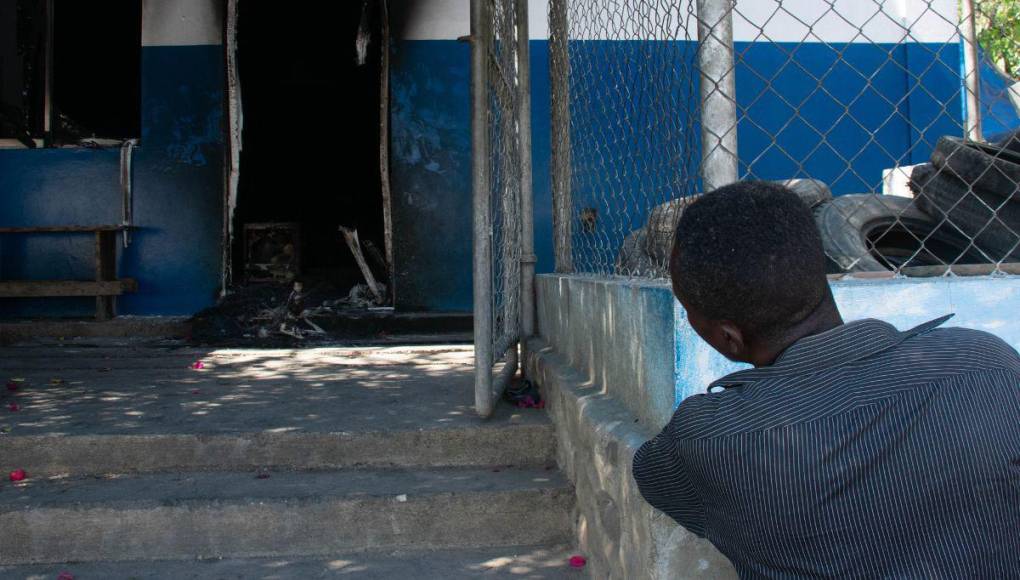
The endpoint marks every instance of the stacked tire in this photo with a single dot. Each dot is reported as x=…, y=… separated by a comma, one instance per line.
x=966, y=210
x=645, y=251
x=974, y=188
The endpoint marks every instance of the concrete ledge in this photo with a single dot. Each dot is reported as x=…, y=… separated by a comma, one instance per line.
x=617, y=333
x=120, y=327
x=495, y=445
x=597, y=437
x=537, y=562
x=236, y=515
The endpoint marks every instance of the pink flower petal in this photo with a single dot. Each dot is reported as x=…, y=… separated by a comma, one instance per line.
x=13, y=407
x=12, y=386
x=198, y=365
x=18, y=475
x=578, y=561
x=65, y=576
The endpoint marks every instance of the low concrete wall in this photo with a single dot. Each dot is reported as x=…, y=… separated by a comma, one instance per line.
x=615, y=357
x=618, y=334
x=605, y=361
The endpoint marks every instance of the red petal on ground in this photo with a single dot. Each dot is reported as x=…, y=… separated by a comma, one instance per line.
x=578, y=561
x=18, y=475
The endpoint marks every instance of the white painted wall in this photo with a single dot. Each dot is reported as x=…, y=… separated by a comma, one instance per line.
x=182, y=22
x=860, y=21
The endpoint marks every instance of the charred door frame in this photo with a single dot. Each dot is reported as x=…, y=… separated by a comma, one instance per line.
x=234, y=115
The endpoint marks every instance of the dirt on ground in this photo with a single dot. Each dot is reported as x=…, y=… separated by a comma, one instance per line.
x=277, y=315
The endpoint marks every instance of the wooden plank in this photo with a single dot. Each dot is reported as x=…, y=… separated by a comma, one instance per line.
x=962, y=270
x=106, y=271
x=64, y=288
x=63, y=229
x=355, y=245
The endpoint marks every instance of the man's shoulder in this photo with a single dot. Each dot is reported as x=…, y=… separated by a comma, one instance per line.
x=696, y=415
x=790, y=399
x=954, y=348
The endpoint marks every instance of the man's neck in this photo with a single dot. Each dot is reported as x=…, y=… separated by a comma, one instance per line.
x=823, y=318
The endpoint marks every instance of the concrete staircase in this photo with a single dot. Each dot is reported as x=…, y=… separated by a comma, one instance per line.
x=271, y=464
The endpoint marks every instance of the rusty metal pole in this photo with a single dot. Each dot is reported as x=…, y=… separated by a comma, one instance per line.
x=528, y=258
x=718, y=94
x=559, y=73
x=482, y=220
x=971, y=70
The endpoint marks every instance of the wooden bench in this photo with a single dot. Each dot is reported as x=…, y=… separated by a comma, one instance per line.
x=106, y=286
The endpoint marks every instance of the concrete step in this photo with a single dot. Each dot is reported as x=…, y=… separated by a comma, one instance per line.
x=239, y=515
x=496, y=444
x=545, y=563
x=123, y=410
x=121, y=327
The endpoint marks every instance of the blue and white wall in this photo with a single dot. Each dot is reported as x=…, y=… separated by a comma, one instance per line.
x=176, y=254
x=430, y=157
x=872, y=90
x=178, y=182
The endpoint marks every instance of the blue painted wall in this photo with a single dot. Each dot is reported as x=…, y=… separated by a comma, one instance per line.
x=178, y=167
x=865, y=105
x=997, y=112
x=841, y=113
x=430, y=174
x=178, y=192
x=430, y=171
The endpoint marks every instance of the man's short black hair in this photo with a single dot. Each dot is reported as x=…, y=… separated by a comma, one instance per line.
x=749, y=253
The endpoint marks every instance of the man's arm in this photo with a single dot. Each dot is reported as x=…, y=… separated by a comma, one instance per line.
x=664, y=480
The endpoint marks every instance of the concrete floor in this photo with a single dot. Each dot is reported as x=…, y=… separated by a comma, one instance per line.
x=129, y=388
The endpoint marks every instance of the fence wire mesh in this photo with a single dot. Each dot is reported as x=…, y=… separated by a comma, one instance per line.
x=863, y=104
x=505, y=155
x=505, y=175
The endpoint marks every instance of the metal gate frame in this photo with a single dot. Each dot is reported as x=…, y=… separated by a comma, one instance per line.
x=496, y=362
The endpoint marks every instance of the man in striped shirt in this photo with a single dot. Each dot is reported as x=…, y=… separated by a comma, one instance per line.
x=849, y=450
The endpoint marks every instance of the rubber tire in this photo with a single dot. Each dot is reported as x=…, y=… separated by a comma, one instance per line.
x=991, y=169
x=663, y=218
x=1010, y=142
x=993, y=224
x=846, y=222
x=812, y=192
x=633, y=260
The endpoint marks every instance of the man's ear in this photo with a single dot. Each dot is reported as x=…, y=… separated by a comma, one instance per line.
x=732, y=340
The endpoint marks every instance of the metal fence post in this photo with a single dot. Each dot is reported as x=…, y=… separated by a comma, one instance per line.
x=528, y=258
x=559, y=73
x=718, y=94
x=971, y=69
x=481, y=206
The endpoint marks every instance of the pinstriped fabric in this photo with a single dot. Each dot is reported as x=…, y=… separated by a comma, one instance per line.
x=862, y=452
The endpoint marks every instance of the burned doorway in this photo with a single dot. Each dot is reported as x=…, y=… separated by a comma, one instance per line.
x=310, y=147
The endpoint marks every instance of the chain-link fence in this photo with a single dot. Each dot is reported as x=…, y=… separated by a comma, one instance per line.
x=864, y=104
x=502, y=174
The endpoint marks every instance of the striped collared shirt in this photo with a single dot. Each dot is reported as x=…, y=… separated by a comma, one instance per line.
x=861, y=452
